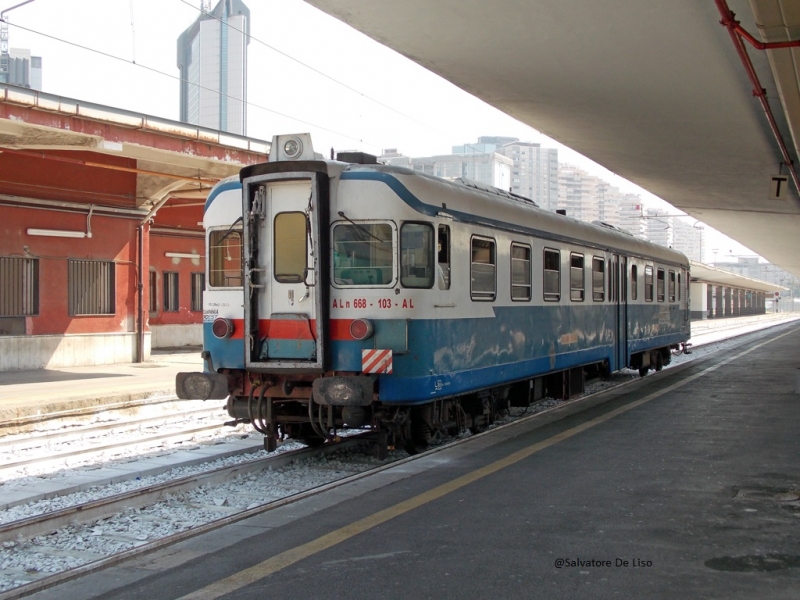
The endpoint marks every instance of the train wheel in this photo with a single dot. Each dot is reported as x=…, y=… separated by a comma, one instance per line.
x=313, y=441
x=643, y=371
x=305, y=433
x=659, y=361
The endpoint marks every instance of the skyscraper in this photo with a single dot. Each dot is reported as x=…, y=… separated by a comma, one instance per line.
x=212, y=58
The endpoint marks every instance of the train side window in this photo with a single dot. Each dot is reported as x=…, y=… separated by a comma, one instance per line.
x=225, y=266
x=672, y=286
x=648, y=283
x=660, y=285
x=520, y=272
x=576, y=279
x=443, y=258
x=483, y=282
x=363, y=254
x=290, y=247
x=598, y=279
x=634, y=282
x=679, y=287
x=551, y=285
x=416, y=255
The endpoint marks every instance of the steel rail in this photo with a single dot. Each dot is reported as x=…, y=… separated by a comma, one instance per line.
x=98, y=509
x=165, y=419
x=29, y=420
x=96, y=449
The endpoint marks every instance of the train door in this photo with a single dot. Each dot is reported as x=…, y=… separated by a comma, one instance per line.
x=619, y=297
x=284, y=307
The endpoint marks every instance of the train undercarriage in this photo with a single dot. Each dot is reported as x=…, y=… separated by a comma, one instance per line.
x=286, y=406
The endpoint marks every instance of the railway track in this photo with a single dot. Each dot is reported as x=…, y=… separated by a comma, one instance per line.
x=95, y=511
x=29, y=422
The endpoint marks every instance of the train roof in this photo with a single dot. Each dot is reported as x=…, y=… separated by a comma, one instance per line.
x=464, y=201
x=468, y=201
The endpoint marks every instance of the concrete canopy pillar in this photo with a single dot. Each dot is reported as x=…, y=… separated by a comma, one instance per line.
x=698, y=300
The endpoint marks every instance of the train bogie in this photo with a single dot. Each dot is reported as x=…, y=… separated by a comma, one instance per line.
x=361, y=295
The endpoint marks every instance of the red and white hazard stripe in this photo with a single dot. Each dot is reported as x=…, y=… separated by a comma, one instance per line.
x=376, y=361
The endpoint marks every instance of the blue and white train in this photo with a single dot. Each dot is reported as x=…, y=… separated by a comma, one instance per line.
x=350, y=293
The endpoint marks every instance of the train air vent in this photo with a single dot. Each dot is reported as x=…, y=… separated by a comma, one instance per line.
x=357, y=158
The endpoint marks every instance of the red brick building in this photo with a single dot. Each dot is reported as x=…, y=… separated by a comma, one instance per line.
x=101, y=242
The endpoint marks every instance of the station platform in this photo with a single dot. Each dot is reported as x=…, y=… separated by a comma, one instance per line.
x=684, y=483
x=45, y=391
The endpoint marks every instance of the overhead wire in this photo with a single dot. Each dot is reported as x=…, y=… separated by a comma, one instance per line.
x=339, y=82
x=473, y=147
x=178, y=78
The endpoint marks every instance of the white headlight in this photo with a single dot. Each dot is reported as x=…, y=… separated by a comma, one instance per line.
x=293, y=148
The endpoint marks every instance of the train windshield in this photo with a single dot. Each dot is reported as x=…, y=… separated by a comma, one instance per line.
x=363, y=254
x=225, y=258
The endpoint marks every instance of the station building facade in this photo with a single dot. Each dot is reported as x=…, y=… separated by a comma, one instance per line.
x=101, y=239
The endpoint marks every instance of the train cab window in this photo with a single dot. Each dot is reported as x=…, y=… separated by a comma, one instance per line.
x=363, y=254
x=660, y=285
x=648, y=283
x=443, y=258
x=551, y=285
x=520, y=272
x=576, y=278
x=416, y=255
x=598, y=279
x=672, y=286
x=483, y=283
x=634, y=282
x=290, y=247
x=225, y=266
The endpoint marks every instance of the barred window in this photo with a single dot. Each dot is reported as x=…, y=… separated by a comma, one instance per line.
x=552, y=275
x=171, y=300
x=19, y=286
x=198, y=285
x=153, y=292
x=92, y=287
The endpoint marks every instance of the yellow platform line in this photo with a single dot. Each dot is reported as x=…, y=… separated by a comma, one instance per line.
x=289, y=557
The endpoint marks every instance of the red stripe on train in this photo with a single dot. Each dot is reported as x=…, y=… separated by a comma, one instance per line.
x=292, y=329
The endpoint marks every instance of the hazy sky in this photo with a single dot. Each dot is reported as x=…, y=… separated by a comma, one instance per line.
x=122, y=53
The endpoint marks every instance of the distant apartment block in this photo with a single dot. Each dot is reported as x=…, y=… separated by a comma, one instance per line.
x=485, y=167
x=212, y=58
x=587, y=197
x=535, y=171
x=687, y=238
x=524, y=168
x=18, y=67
